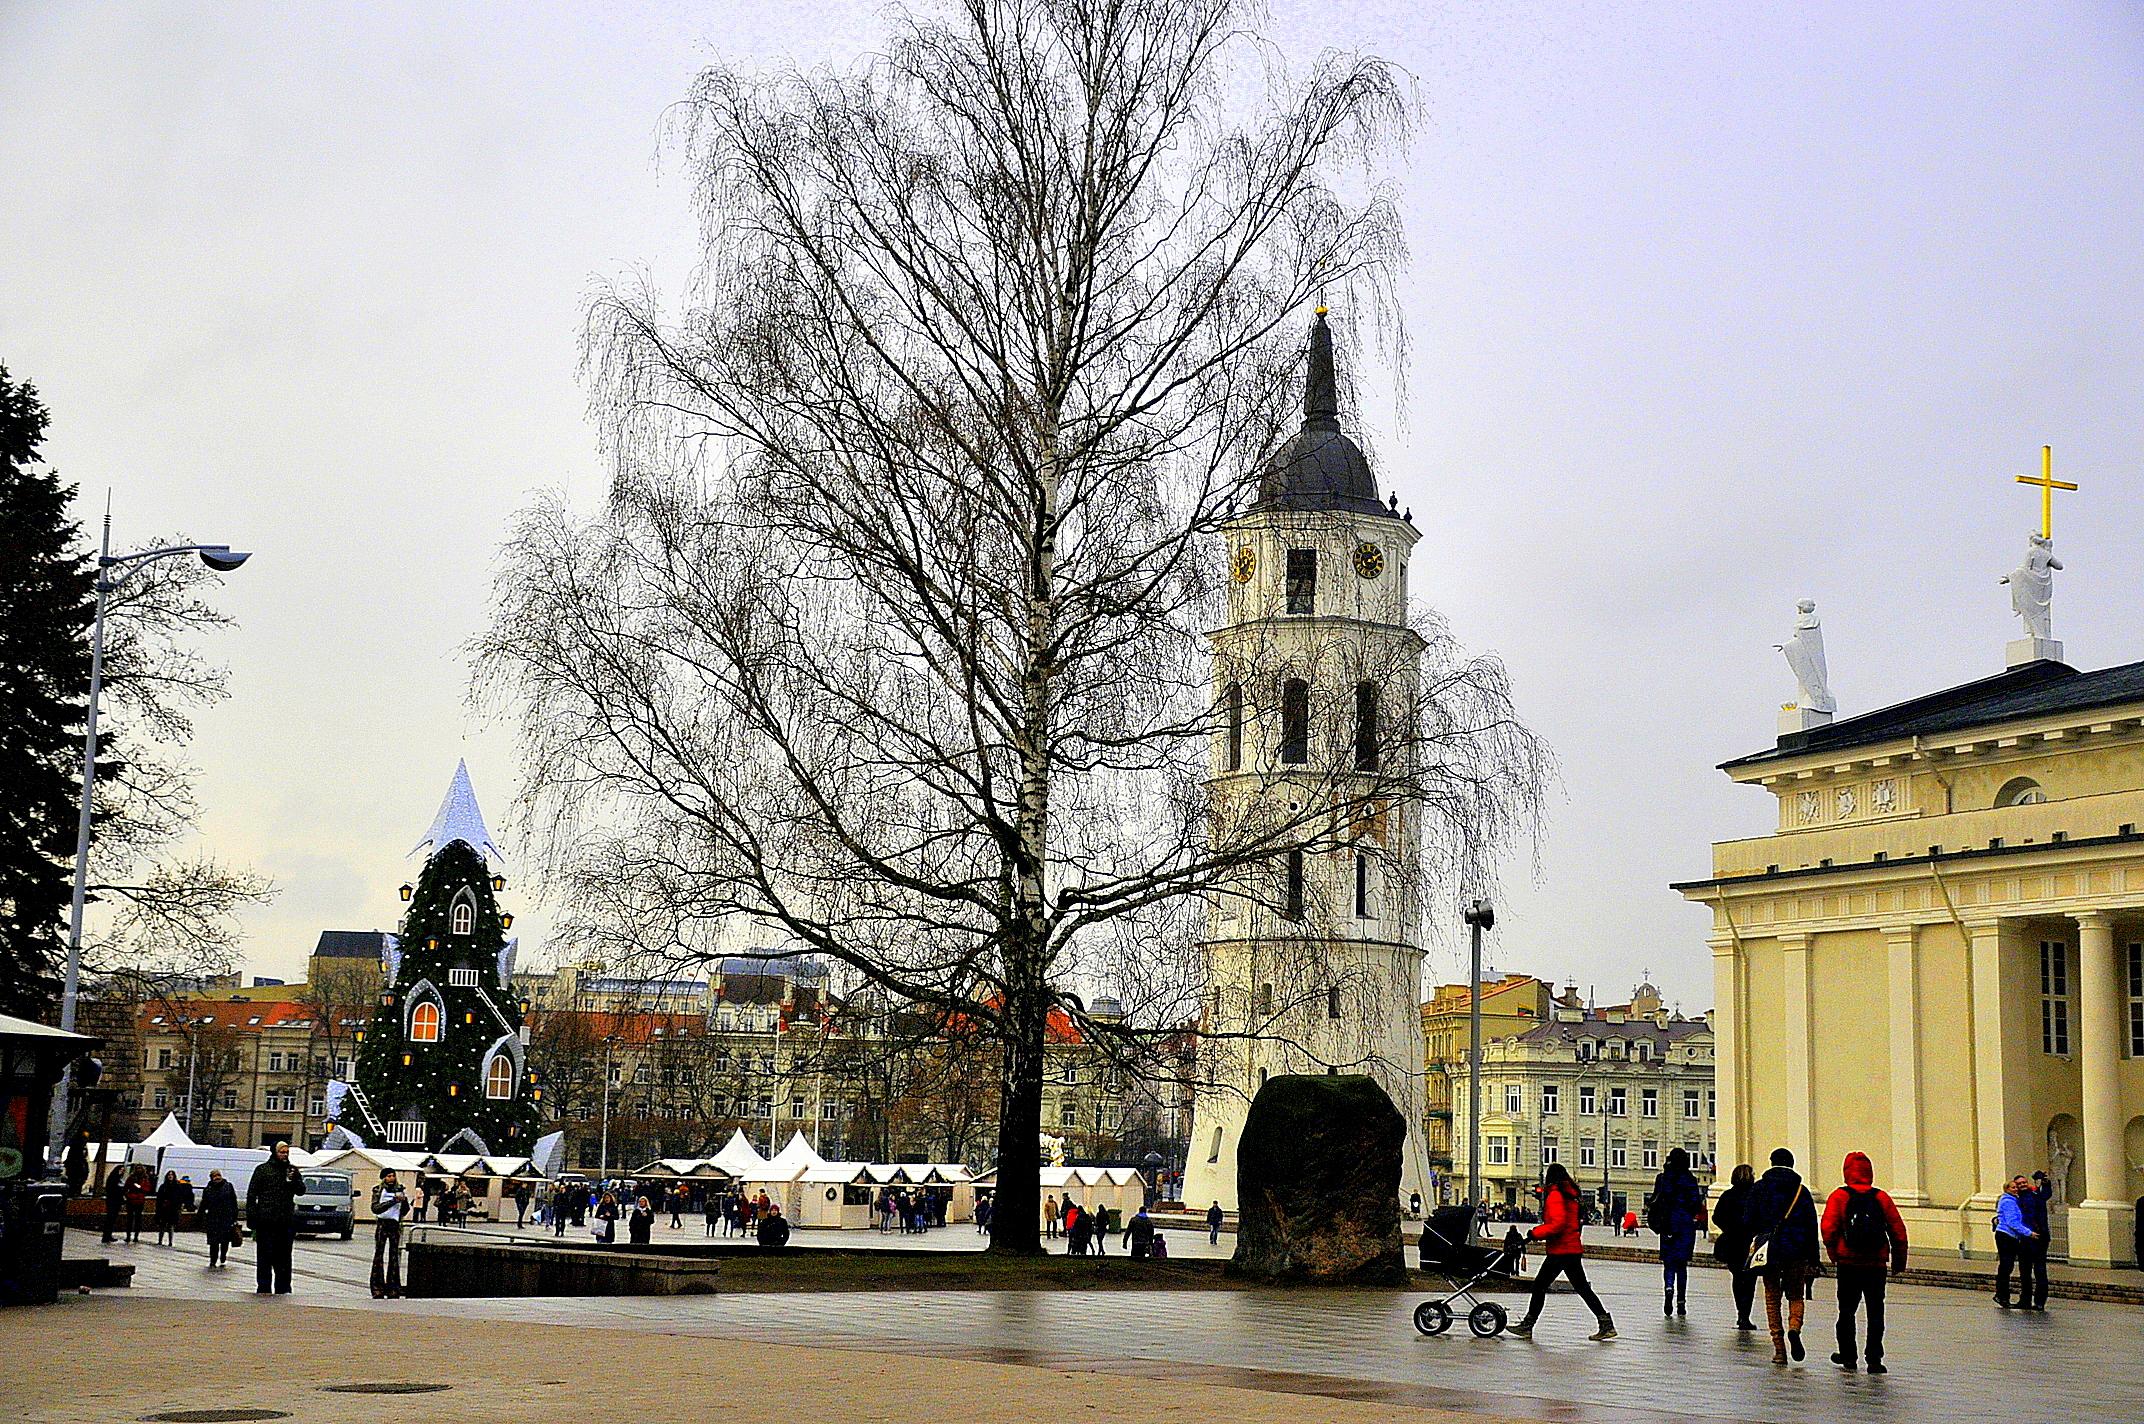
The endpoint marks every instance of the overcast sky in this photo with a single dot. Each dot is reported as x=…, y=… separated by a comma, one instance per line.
x=1712, y=307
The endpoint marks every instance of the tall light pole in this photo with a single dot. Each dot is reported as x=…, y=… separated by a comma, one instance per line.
x=1479, y=916
x=112, y=571
x=603, y=1165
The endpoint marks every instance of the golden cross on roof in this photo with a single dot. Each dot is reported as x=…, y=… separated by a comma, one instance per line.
x=2047, y=484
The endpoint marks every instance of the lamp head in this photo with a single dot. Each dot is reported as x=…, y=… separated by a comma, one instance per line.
x=1480, y=915
x=222, y=557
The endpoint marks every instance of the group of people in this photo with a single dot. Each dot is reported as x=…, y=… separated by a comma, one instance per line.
x=1769, y=1234
x=1086, y=1230
x=910, y=1212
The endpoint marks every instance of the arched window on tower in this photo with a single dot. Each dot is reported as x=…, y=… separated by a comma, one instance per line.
x=1294, y=721
x=461, y=919
x=1232, y=717
x=1292, y=900
x=424, y=1023
x=499, y=1077
x=1366, y=726
x=1362, y=885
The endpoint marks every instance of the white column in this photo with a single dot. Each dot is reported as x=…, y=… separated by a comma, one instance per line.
x=1904, y=1170
x=1801, y=1090
x=2099, y=1057
x=1998, y=1104
x=1730, y=1142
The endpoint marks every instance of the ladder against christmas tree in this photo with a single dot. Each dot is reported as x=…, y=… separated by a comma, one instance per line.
x=445, y=1052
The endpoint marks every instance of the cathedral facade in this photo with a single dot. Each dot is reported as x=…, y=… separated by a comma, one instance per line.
x=1314, y=960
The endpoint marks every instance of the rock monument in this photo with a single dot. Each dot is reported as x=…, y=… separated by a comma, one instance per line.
x=1317, y=1184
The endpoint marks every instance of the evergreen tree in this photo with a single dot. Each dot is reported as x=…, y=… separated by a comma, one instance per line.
x=444, y=1047
x=47, y=598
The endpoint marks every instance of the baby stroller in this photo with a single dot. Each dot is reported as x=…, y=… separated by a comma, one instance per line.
x=1450, y=1251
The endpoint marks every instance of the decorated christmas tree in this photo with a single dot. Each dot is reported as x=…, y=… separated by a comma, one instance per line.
x=442, y=1065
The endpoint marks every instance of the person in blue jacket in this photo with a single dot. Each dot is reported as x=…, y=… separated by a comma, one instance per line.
x=2014, y=1240
x=2032, y=1259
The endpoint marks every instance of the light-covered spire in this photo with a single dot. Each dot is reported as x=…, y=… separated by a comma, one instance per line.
x=459, y=820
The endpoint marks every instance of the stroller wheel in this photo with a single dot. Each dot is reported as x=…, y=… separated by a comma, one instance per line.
x=1433, y=1317
x=1486, y=1319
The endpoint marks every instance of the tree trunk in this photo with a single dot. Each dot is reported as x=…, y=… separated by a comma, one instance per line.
x=1016, y=1211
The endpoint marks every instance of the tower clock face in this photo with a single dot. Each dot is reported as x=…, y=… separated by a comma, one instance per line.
x=1243, y=563
x=1369, y=560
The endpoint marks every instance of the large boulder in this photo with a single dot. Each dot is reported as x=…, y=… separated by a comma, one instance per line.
x=1318, y=1184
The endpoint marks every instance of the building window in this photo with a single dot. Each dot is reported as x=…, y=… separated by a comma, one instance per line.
x=1294, y=722
x=2136, y=1001
x=1265, y=998
x=1648, y=1102
x=1586, y=1051
x=1365, y=726
x=424, y=1023
x=1514, y=1098
x=1232, y=721
x=1712, y=1102
x=1332, y=1002
x=1213, y=1153
x=464, y=918
x=275, y=1062
x=1587, y=1155
x=1551, y=1151
x=1551, y=1094
x=161, y=1098
x=1362, y=886
x=230, y=1098
x=1302, y=580
x=1619, y=1102
x=1499, y=1151
x=1618, y=1154
x=2054, y=997
x=1292, y=900
x=1651, y=1157
x=499, y=1077
x=1689, y=1102
x=1068, y=1115
x=2020, y=791
x=1585, y=1100
x=163, y=1058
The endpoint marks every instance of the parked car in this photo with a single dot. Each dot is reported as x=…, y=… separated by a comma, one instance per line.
x=328, y=1204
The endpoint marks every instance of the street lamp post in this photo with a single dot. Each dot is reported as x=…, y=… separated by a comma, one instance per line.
x=1479, y=916
x=112, y=571
x=603, y=1164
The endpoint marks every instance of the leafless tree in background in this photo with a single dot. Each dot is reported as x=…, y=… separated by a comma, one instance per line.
x=889, y=638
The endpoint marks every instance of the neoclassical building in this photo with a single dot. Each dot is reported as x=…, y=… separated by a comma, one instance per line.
x=1316, y=968
x=1938, y=957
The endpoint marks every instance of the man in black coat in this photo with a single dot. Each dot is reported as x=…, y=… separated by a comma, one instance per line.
x=115, y=1198
x=219, y=1216
x=1780, y=1209
x=272, y=1211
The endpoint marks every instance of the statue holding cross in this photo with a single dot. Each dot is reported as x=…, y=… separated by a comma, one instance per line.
x=2032, y=583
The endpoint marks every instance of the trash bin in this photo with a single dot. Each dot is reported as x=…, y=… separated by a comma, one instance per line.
x=31, y=1239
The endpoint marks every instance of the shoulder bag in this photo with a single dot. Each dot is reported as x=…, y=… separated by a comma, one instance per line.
x=1760, y=1245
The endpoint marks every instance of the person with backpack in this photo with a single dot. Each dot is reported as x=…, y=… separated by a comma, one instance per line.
x=1563, y=1252
x=1866, y=1239
x=1784, y=1240
x=1730, y=1241
x=1676, y=1214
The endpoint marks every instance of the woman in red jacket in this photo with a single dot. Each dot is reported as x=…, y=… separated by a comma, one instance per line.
x=1564, y=1252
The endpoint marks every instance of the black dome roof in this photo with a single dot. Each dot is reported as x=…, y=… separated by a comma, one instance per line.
x=1319, y=467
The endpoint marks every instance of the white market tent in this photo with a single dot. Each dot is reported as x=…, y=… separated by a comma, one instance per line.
x=168, y=1134
x=738, y=1157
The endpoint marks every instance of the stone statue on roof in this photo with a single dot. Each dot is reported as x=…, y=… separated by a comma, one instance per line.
x=1805, y=655
x=2032, y=587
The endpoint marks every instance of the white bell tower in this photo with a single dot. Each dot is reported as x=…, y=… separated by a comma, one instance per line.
x=1318, y=968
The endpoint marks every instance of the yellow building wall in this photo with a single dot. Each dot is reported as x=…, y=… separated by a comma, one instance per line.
x=1849, y=1058
x=1948, y=1139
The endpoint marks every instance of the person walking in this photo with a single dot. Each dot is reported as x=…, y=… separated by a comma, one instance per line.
x=1677, y=1214
x=390, y=1203
x=219, y=1217
x=1139, y=1235
x=2013, y=1238
x=1052, y=1213
x=2032, y=1254
x=1783, y=1227
x=1866, y=1239
x=173, y=1198
x=521, y=1205
x=1563, y=1254
x=140, y=1187
x=640, y=1226
x=1730, y=1242
x=272, y=1211
x=711, y=1211
x=1214, y=1218
x=606, y=1228
x=115, y=1200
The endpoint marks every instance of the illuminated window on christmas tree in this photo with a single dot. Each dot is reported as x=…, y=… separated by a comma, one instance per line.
x=499, y=1077
x=424, y=1024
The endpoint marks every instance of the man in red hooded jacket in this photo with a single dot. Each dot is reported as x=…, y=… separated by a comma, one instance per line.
x=1866, y=1240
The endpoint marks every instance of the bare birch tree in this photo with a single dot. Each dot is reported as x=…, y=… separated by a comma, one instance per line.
x=889, y=639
